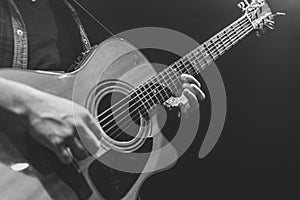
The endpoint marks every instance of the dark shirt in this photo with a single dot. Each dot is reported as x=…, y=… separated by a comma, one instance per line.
x=46, y=36
x=6, y=36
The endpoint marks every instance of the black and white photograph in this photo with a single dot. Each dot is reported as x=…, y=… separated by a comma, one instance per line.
x=149, y=100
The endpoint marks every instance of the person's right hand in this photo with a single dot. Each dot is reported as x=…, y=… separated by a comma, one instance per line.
x=56, y=123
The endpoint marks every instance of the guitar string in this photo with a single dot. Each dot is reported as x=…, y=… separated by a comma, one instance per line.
x=213, y=44
x=173, y=76
x=217, y=53
x=157, y=88
x=123, y=129
x=249, y=29
x=126, y=123
x=243, y=18
x=147, y=82
x=126, y=116
x=155, y=77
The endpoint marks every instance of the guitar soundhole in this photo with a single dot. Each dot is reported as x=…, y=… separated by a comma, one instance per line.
x=121, y=120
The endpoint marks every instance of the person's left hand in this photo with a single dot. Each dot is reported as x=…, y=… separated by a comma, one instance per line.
x=190, y=95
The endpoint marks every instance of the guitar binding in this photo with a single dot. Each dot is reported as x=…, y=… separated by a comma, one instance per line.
x=125, y=127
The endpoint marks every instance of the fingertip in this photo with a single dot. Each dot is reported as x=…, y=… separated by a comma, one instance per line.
x=185, y=85
x=202, y=95
x=199, y=93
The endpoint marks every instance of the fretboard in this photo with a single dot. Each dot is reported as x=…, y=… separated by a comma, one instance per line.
x=164, y=84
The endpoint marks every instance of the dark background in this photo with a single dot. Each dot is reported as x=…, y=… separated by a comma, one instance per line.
x=257, y=156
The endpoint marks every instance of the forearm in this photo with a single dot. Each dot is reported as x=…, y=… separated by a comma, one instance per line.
x=14, y=98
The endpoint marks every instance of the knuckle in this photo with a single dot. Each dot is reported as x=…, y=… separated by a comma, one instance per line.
x=185, y=85
x=56, y=141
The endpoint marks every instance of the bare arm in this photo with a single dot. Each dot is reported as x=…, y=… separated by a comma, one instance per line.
x=51, y=120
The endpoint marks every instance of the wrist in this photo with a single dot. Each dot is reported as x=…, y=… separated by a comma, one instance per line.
x=16, y=98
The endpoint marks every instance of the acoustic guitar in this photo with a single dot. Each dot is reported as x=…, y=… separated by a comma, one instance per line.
x=118, y=85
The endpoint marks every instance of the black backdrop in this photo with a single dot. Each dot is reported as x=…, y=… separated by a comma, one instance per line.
x=258, y=154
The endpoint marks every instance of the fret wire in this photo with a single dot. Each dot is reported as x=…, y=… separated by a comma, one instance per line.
x=167, y=78
x=211, y=40
x=247, y=31
x=232, y=38
x=229, y=27
x=176, y=79
x=209, y=49
x=244, y=33
x=241, y=35
x=234, y=32
x=154, y=90
x=202, y=52
x=214, y=40
x=185, y=67
x=219, y=37
x=212, y=51
x=214, y=46
x=186, y=61
x=140, y=97
x=172, y=79
x=162, y=84
x=164, y=78
x=226, y=35
x=189, y=58
x=158, y=92
x=201, y=58
x=222, y=44
x=146, y=103
x=241, y=26
x=149, y=94
x=176, y=70
x=194, y=62
x=178, y=67
x=229, y=39
x=222, y=39
x=181, y=68
x=206, y=51
x=195, y=53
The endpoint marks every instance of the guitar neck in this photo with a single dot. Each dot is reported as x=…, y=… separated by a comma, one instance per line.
x=192, y=63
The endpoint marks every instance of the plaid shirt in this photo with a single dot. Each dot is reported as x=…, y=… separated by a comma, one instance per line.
x=13, y=35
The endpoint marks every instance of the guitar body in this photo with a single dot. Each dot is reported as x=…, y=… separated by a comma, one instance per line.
x=105, y=78
x=114, y=66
